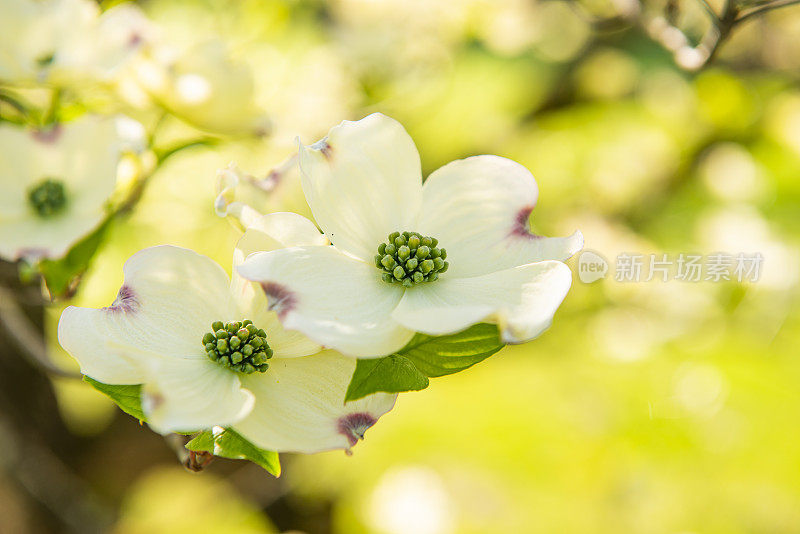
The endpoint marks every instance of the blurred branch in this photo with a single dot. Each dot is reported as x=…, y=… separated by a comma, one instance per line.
x=662, y=27
x=51, y=114
x=43, y=476
x=26, y=336
x=694, y=57
x=14, y=103
x=165, y=153
x=710, y=10
x=724, y=27
x=767, y=7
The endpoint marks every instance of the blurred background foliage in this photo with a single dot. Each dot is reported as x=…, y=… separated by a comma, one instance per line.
x=647, y=408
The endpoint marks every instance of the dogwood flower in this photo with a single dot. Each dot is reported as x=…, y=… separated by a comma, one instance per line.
x=244, y=198
x=54, y=184
x=407, y=257
x=209, y=353
x=202, y=85
x=65, y=41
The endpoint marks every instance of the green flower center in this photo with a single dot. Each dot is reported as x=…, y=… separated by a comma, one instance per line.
x=409, y=258
x=48, y=197
x=239, y=346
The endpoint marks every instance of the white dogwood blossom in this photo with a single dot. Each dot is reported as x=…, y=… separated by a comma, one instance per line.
x=243, y=197
x=209, y=353
x=65, y=41
x=407, y=257
x=55, y=184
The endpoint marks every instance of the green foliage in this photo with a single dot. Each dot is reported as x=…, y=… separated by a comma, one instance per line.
x=424, y=357
x=445, y=355
x=392, y=374
x=128, y=398
x=61, y=275
x=226, y=443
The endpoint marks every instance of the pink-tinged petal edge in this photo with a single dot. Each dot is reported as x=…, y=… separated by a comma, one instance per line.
x=281, y=300
x=521, y=227
x=48, y=136
x=126, y=301
x=354, y=425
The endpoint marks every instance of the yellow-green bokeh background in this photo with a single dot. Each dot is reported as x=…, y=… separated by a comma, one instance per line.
x=648, y=407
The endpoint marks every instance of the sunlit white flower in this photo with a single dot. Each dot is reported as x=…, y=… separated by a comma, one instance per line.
x=202, y=85
x=67, y=40
x=459, y=249
x=209, y=353
x=54, y=184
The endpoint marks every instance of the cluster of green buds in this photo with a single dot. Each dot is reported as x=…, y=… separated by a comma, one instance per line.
x=409, y=258
x=48, y=197
x=239, y=346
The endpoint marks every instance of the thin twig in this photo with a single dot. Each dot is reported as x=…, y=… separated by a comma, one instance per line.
x=26, y=337
x=710, y=10
x=764, y=8
x=52, y=109
x=726, y=24
x=165, y=153
x=14, y=103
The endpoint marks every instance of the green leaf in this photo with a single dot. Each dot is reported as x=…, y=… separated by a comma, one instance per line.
x=60, y=275
x=219, y=442
x=391, y=374
x=444, y=355
x=424, y=357
x=227, y=443
x=128, y=398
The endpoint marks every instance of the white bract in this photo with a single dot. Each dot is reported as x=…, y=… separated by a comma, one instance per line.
x=64, y=41
x=244, y=198
x=157, y=331
x=363, y=182
x=55, y=184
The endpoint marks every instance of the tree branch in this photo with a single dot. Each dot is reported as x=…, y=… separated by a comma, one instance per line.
x=768, y=7
x=26, y=336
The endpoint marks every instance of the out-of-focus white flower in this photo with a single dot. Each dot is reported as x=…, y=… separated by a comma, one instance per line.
x=203, y=347
x=63, y=41
x=741, y=229
x=470, y=219
x=244, y=198
x=54, y=185
x=203, y=86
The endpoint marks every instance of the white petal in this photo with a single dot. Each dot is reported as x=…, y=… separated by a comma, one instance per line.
x=521, y=300
x=278, y=230
x=83, y=155
x=244, y=197
x=84, y=332
x=338, y=301
x=233, y=187
x=187, y=395
x=478, y=209
x=17, y=158
x=363, y=182
x=270, y=232
x=33, y=237
x=168, y=301
x=300, y=406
